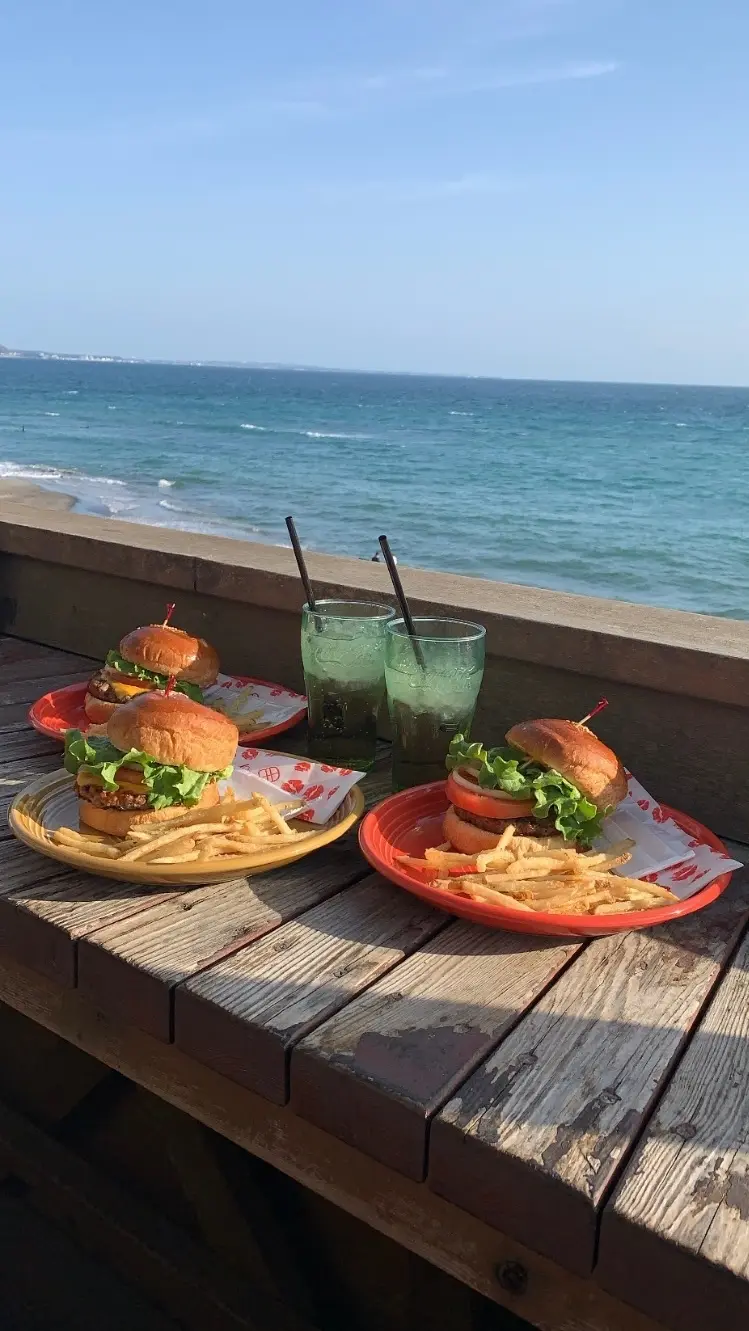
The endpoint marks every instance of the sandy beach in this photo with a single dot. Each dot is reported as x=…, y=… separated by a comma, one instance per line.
x=34, y=496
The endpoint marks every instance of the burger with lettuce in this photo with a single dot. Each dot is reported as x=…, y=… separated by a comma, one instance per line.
x=162, y=755
x=552, y=778
x=144, y=662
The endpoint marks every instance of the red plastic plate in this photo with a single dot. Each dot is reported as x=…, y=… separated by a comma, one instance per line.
x=62, y=710
x=406, y=824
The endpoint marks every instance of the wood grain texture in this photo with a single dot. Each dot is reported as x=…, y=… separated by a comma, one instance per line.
x=375, y=1073
x=534, y=1139
x=130, y=969
x=243, y=1015
x=27, y=690
x=17, y=743
x=47, y=665
x=551, y=1299
x=675, y=1237
x=18, y=773
x=46, y=909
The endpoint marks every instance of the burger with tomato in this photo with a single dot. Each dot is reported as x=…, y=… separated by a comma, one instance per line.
x=553, y=778
x=162, y=755
x=144, y=662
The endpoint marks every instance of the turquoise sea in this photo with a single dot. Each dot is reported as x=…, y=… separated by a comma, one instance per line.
x=635, y=492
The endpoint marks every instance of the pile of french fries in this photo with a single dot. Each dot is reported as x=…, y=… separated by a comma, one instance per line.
x=541, y=874
x=229, y=829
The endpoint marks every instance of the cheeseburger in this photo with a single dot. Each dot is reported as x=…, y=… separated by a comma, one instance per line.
x=554, y=777
x=145, y=660
x=162, y=755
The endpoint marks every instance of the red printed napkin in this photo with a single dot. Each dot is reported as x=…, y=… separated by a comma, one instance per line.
x=663, y=852
x=280, y=777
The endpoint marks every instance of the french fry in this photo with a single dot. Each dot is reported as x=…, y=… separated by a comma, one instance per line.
x=445, y=858
x=272, y=811
x=96, y=849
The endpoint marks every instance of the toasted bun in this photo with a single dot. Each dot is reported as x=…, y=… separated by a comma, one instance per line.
x=466, y=838
x=169, y=651
x=577, y=753
x=97, y=710
x=173, y=730
x=117, y=822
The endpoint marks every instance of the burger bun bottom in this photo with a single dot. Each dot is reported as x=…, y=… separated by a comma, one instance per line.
x=118, y=822
x=465, y=837
x=96, y=709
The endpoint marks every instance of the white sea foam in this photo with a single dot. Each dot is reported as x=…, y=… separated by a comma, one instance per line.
x=173, y=508
x=461, y=413
x=322, y=434
x=30, y=472
x=247, y=425
x=70, y=392
x=52, y=413
x=164, y=484
x=38, y=472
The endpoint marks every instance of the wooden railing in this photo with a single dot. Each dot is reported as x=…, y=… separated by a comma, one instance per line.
x=678, y=683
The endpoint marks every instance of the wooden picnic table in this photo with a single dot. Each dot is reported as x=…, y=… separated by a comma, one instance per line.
x=563, y=1126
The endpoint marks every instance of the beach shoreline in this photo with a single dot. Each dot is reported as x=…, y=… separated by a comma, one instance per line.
x=30, y=495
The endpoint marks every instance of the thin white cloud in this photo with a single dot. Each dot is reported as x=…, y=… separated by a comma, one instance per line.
x=398, y=190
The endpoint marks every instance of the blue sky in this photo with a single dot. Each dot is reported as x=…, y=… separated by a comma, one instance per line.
x=533, y=188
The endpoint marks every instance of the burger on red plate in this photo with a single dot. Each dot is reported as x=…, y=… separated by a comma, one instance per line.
x=552, y=778
x=162, y=755
x=144, y=661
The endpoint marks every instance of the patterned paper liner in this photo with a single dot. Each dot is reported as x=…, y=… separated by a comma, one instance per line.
x=662, y=851
x=254, y=704
x=281, y=776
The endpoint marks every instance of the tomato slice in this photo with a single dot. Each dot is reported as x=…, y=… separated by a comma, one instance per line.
x=487, y=806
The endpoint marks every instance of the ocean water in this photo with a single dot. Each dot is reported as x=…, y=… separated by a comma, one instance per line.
x=635, y=492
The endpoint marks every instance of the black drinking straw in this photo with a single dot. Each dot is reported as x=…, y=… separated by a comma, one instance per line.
x=395, y=578
x=301, y=565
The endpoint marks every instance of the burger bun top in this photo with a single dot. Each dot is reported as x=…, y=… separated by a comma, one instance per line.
x=175, y=731
x=169, y=651
x=580, y=756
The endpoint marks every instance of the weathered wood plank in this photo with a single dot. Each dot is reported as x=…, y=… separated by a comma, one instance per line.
x=16, y=774
x=675, y=1237
x=375, y=1073
x=534, y=1139
x=502, y=1269
x=42, y=922
x=27, y=690
x=18, y=743
x=21, y=649
x=48, y=666
x=130, y=969
x=243, y=1015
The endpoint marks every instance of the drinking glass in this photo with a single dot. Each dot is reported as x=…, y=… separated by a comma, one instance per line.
x=343, y=654
x=433, y=682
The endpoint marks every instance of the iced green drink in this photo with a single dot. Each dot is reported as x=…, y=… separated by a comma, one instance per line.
x=343, y=654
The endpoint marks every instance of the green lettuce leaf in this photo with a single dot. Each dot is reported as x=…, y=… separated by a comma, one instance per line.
x=575, y=816
x=166, y=785
x=118, y=662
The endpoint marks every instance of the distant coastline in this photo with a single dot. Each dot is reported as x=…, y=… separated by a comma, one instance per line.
x=9, y=353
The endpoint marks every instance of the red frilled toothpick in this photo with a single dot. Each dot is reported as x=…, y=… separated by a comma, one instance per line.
x=170, y=685
x=169, y=613
x=599, y=708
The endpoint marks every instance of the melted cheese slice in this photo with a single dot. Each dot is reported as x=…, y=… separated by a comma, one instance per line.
x=124, y=782
x=125, y=691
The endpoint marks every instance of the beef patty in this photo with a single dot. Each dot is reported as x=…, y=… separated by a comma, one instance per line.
x=128, y=800
x=100, y=687
x=523, y=826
